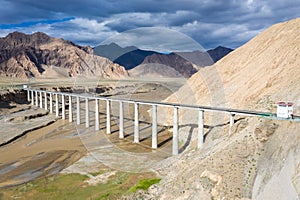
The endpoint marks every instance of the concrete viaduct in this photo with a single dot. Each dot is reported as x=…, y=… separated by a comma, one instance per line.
x=40, y=99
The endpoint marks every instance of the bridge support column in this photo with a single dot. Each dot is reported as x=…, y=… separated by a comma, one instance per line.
x=231, y=121
x=154, y=126
x=96, y=115
x=87, y=118
x=36, y=99
x=32, y=98
x=108, y=117
x=41, y=100
x=121, y=122
x=63, y=105
x=28, y=95
x=70, y=109
x=46, y=103
x=78, y=110
x=136, y=123
x=175, y=132
x=200, y=129
x=51, y=103
x=56, y=105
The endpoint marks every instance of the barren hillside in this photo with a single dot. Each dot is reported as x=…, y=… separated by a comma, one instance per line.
x=257, y=158
x=254, y=76
x=39, y=55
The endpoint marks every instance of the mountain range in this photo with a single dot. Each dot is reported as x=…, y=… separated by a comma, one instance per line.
x=39, y=55
x=151, y=63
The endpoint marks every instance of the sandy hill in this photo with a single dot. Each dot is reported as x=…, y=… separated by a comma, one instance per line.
x=256, y=159
x=267, y=67
x=38, y=55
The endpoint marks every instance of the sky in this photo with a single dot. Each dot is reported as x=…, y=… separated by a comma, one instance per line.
x=210, y=23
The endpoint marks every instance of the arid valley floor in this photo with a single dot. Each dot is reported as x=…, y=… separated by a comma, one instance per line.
x=49, y=146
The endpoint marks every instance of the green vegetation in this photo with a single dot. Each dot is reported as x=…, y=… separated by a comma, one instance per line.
x=97, y=173
x=73, y=186
x=144, y=184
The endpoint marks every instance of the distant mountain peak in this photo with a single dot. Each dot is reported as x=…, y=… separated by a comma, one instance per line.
x=112, y=45
x=112, y=51
x=18, y=39
x=17, y=34
x=221, y=47
x=219, y=52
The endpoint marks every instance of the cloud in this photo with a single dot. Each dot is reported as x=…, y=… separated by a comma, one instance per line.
x=157, y=39
x=80, y=30
x=209, y=22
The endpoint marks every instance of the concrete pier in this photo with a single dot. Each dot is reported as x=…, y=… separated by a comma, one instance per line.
x=56, y=105
x=121, y=120
x=136, y=123
x=36, y=99
x=32, y=98
x=63, y=107
x=200, y=128
x=77, y=110
x=70, y=109
x=87, y=117
x=175, y=132
x=97, y=115
x=41, y=100
x=108, y=131
x=46, y=103
x=154, y=126
x=51, y=103
x=231, y=120
x=28, y=95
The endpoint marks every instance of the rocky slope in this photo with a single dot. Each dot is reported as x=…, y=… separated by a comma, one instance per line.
x=199, y=58
x=205, y=58
x=133, y=58
x=39, y=55
x=257, y=158
x=167, y=65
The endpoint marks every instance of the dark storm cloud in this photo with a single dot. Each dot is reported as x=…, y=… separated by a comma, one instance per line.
x=210, y=22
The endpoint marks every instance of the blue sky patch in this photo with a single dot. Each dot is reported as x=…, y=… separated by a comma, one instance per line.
x=33, y=23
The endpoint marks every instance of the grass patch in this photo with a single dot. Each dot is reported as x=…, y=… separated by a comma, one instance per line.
x=144, y=184
x=72, y=186
x=97, y=173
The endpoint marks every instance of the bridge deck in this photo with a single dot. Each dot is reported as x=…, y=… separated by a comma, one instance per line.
x=170, y=104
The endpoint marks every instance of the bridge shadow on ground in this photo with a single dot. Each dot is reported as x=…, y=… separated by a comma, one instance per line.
x=206, y=134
